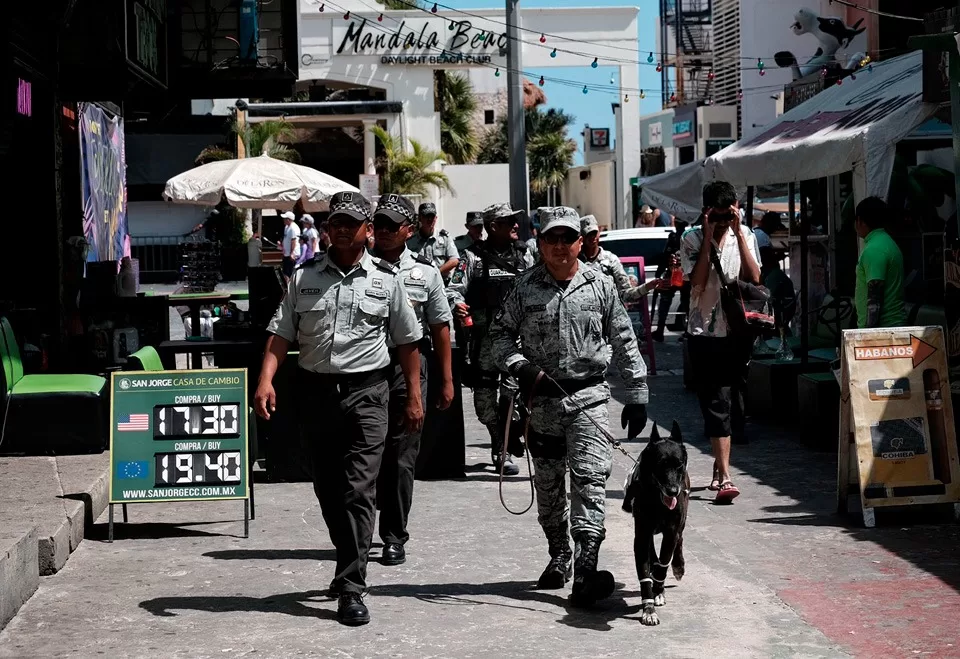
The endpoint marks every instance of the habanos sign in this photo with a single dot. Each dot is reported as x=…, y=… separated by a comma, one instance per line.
x=419, y=41
x=898, y=445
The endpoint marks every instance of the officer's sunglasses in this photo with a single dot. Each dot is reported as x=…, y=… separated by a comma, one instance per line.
x=555, y=238
x=386, y=224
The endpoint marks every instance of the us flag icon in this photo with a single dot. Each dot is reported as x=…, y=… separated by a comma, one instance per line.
x=134, y=423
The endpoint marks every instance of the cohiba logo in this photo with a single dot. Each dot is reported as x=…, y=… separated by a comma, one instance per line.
x=124, y=384
x=359, y=39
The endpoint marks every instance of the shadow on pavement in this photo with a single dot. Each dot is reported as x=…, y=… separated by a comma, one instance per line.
x=274, y=554
x=156, y=530
x=777, y=457
x=292, y=604
x=597, y=618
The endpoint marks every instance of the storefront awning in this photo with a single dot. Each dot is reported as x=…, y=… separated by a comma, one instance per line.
x=677, y=191
x=850, y=126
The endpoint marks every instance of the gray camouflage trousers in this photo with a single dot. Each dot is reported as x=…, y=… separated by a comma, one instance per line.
x=562, y=437
x=486, y=399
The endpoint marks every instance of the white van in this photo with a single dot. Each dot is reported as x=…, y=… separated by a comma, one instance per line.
x=648, y=242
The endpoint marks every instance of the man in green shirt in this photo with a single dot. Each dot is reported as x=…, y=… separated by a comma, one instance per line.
x=879, y=294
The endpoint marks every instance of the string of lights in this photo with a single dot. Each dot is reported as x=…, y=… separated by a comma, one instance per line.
x=586, y=87
x=545, y=36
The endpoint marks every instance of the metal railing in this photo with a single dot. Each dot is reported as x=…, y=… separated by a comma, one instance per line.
x=159, y=258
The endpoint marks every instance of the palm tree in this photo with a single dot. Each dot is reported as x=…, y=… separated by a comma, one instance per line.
x=457, y=106
x=550, y=155
x=408, y=172
x=260, y=138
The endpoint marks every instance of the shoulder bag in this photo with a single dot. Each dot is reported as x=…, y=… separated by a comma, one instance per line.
x=747, y=306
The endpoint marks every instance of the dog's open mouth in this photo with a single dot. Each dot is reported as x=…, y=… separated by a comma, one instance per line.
x=669, y=502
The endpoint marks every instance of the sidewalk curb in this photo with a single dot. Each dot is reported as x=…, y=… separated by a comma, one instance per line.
x=19, y=572
x=38, y=538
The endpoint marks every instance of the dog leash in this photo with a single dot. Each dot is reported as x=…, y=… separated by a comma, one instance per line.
x=606, y=433
x=506, y=442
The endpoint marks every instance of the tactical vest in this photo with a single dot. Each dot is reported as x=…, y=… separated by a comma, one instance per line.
x=489, y=291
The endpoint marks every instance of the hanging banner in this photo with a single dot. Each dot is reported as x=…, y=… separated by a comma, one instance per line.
x=103, y=174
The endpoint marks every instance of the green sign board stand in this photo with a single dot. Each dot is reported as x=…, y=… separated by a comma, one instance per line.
x=179, y=436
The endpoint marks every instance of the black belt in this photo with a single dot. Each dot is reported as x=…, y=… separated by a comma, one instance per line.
x=568, y=387
x=350, y=380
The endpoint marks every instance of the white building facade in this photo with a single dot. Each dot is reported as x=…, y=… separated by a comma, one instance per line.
x=398, y=52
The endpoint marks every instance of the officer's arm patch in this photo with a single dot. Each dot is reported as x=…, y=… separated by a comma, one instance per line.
x=420, y=258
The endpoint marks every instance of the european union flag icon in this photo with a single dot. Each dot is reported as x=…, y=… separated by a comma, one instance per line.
x=137, y=469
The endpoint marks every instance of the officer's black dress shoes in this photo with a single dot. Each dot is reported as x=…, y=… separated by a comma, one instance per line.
x=393, y=554
x=351, y=610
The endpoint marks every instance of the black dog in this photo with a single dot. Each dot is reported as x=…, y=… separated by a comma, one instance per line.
x=657, y=492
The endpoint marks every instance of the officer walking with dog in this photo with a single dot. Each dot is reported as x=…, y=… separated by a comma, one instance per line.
x=342, y=309
x=393, y=222
x=550, y=335
x=479, y=284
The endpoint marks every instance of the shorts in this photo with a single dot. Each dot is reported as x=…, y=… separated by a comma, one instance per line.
x=719, y=375
x=288, y=264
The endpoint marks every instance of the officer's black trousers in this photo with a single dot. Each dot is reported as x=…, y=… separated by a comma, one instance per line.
x=395, y=483
x=346, y=442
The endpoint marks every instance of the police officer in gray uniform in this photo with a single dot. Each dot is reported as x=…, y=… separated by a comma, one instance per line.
x=485, y=274
x=595, y=256
x=553, y=327
x=473, y=235
x=393, y=222
x=436, y=246
x=342, y=309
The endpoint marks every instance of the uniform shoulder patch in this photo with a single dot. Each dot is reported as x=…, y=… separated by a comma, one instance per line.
x=589, y=274
x=386, y=267
x=420, y=258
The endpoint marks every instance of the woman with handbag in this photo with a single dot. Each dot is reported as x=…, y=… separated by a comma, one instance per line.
x=722, y=262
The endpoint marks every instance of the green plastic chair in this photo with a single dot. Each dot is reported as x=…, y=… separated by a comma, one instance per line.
x=50, y=413
x=19, y=384
x=145, y=359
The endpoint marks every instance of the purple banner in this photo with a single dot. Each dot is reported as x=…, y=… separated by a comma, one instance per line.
x=103, y=175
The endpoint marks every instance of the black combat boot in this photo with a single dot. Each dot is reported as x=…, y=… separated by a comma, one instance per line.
x=560, y=568
x=496, y=447
x=589, y=584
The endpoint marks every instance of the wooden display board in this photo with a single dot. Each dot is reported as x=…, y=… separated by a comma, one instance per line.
x=896, y=419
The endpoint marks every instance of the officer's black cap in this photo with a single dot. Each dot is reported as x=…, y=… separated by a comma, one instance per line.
x=395, y=207
x=429, y=209
x=351, y=204
x=474, y=219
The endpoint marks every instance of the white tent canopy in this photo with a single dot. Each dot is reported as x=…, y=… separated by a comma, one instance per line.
x=851, y=126
x=677, y=191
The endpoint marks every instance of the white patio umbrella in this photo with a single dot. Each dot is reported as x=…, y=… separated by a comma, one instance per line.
x=256, y=183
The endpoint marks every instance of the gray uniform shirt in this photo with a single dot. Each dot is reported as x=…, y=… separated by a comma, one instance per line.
x=343, y=320
x=425, y=291
x=608, y=263
x=462, y=243
x=565, y=332
x=437, y=248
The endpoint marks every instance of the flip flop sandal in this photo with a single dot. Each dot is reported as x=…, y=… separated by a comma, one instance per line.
x=727, y=492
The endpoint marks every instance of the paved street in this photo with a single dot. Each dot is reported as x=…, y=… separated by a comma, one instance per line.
x=775, y=575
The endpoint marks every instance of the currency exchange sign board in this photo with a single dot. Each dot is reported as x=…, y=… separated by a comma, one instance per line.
x=178, y=436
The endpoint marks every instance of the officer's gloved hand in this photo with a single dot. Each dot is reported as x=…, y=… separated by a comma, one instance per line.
x=526, y=374
x=634, y=415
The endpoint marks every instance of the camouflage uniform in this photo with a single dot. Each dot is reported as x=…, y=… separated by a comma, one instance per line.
x=482, y=284
x=565, y=332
